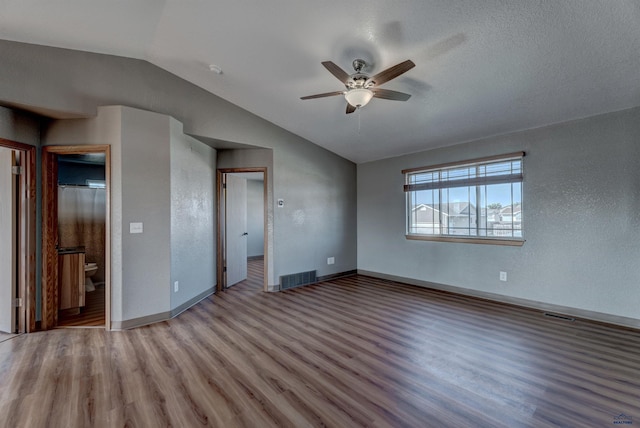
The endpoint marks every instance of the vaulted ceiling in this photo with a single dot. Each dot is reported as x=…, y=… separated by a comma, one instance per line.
x=482, y=67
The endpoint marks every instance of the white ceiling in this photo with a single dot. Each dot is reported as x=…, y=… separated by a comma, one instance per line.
x=482, y=67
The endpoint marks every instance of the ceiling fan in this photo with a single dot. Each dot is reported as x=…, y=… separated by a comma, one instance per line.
x=360, y=87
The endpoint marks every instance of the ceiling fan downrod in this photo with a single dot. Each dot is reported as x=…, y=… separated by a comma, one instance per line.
x=358, y=64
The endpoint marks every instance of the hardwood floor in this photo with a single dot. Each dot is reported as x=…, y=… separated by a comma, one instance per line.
x=6, y=336
x=91, y=315
x=350, y=352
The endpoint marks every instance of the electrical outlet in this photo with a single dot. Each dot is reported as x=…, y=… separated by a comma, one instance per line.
x=176, y=286
x=503, y=276
x=331, y=260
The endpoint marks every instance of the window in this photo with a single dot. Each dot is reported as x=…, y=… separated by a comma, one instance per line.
x=477, y=201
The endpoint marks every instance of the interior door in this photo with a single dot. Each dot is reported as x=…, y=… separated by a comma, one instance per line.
x=235, y=229
x=49, y=239
x=8, y=241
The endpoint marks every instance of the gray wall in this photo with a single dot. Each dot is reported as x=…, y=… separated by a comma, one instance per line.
x=140, y=192
x=19, y=127
x=165, y=180
x=581, y=221
x=255, y=218
x=193, y=221
x=319, y=220
x=146, y=198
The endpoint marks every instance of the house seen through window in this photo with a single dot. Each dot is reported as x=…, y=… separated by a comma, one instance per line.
x=479, y=201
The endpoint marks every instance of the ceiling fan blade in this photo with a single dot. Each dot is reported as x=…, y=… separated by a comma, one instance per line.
x=392, y=72
x=387, y=94
x=342, y=75
x=350, y=108
x=326, y=94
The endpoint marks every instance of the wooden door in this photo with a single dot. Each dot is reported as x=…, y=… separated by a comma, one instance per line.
x=235, y=229
x=49, y=239
x=8, y=241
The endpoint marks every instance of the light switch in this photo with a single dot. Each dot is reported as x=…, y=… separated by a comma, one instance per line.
x=135, y=227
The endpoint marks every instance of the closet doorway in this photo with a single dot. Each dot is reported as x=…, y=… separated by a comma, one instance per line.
x=76, y=273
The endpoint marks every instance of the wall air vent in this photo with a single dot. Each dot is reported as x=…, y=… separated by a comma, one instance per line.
x=297, y=279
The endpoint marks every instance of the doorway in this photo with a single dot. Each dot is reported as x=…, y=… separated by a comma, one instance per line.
x=76, y=236
x=242, y=220
x=17, y=238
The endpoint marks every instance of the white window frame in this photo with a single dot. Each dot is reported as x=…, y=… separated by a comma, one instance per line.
x=440, y=179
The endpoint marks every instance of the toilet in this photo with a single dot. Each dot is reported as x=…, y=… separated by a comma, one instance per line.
x=89, y=270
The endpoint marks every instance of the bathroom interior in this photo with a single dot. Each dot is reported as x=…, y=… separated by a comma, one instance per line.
x=81, y=240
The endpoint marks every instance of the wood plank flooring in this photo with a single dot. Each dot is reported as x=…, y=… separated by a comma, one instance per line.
x=91, y=315
x=6, y=336
x=350, y=352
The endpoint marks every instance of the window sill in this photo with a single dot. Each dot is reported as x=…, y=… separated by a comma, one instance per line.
x=487, y=241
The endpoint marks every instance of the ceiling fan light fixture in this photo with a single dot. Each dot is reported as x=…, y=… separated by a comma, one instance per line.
x=358, y=97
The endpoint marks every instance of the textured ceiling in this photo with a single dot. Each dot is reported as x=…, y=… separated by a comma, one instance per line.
x=482, y=67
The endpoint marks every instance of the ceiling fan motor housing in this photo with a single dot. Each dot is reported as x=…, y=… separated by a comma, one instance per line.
x=359, y=80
